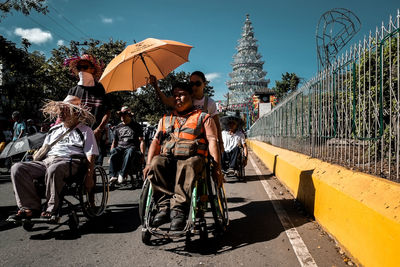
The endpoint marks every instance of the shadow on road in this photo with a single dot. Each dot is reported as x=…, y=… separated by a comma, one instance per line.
x=254, y=227
x=248, y=178
x=122, y=218
x=5, y=179
x=6, y=211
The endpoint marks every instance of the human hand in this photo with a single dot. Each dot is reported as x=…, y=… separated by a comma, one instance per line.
x=218, y=176
x=153, y=81
x=221, y=147
x=146, y=171
x=244, y=161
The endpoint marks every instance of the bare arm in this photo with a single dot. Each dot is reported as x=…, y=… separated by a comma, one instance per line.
x=212, y=135
x=154, y=150
x=102, y=125
x=142, y=145
x=218, y=125
x=21, y=133
x=169, y=101
x=89, y=182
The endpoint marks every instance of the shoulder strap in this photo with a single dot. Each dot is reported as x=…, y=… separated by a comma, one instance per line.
x=80, y=134
x=59, y=138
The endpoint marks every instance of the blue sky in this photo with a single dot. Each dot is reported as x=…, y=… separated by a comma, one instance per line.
x=285, y=29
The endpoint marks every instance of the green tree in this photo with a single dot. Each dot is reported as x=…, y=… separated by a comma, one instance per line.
x=25, y=75
x=289, y=83
x=60, y=74
x=24, y=6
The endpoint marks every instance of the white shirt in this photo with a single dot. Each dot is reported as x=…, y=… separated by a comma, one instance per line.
x=72, y=143
x=211, y=106
x=232, y=140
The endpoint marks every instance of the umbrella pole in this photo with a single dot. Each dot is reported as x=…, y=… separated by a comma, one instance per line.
x=144, y=62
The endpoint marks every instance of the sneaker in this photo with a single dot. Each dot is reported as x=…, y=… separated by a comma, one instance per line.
x=121, y=179
x=231, y=171
x=113, y=179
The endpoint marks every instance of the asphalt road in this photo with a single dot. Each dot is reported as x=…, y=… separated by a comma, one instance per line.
x=267, y=228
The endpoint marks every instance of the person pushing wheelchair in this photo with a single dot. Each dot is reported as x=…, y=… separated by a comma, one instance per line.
x=176, y=157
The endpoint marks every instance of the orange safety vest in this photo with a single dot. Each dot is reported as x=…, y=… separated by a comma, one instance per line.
x=191, y=129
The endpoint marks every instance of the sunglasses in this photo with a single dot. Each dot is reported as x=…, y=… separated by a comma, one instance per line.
x=83, y=67
x=123, y=113
x=196, y=83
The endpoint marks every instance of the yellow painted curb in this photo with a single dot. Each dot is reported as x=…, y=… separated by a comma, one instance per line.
x=361, y=211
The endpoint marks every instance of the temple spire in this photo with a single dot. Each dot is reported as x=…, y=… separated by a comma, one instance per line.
x=247, y=75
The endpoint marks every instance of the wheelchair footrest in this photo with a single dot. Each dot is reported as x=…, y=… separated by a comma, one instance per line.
x=52, y=220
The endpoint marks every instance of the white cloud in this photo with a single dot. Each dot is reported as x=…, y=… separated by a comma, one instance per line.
x=34, y=35
x=107, y=20
x=213, y=76
x=60, y=42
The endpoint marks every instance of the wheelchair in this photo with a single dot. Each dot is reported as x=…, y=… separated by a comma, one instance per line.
x=135, y=174
x=239, y=166
x=206, y=196
x=74, y=200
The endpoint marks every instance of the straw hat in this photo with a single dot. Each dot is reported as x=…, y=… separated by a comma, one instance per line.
x=73, y=63
x=125, y=109
x=53, y=108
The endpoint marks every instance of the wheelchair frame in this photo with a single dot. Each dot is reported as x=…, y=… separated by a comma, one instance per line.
x=75, y=188
x=205, y=191
x=241, y=167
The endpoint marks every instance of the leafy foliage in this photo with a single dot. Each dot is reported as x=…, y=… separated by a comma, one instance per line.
x=29, y=79
x=24, y=6
x=288, y=84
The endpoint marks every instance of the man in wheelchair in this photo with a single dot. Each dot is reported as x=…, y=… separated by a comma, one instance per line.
x=176, y=157
x=125, y=154
x=233, y=140
x=72, y=143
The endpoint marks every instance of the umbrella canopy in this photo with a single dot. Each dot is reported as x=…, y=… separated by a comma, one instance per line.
x=132, y=67
x=23, y=144
x=226, y=119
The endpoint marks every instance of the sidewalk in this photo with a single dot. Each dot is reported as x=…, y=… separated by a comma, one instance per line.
x=361, y=211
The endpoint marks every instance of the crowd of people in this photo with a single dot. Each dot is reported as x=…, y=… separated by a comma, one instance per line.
x=81, y=134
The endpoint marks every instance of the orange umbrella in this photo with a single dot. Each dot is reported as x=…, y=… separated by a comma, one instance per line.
x=132, y=67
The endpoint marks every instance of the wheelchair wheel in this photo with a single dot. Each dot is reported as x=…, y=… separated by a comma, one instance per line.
x=146, y=236
x=143, y=200
x=219, y=204
x=242, y=174
x=94, y=202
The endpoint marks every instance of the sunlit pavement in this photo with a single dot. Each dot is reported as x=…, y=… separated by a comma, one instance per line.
x=255, y=236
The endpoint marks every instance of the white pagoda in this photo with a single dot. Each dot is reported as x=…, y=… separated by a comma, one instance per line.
x=247, y=76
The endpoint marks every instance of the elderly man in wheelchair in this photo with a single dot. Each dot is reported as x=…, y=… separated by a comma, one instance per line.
x=235, y=152
x=176, y=158
x=71, y=144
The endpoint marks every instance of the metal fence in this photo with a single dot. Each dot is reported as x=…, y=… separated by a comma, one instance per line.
x=349, y=113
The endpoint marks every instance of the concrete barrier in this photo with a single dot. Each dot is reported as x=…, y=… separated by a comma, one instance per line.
x=361, y=211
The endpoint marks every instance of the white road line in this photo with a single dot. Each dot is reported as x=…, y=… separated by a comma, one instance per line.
x=299, y=248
